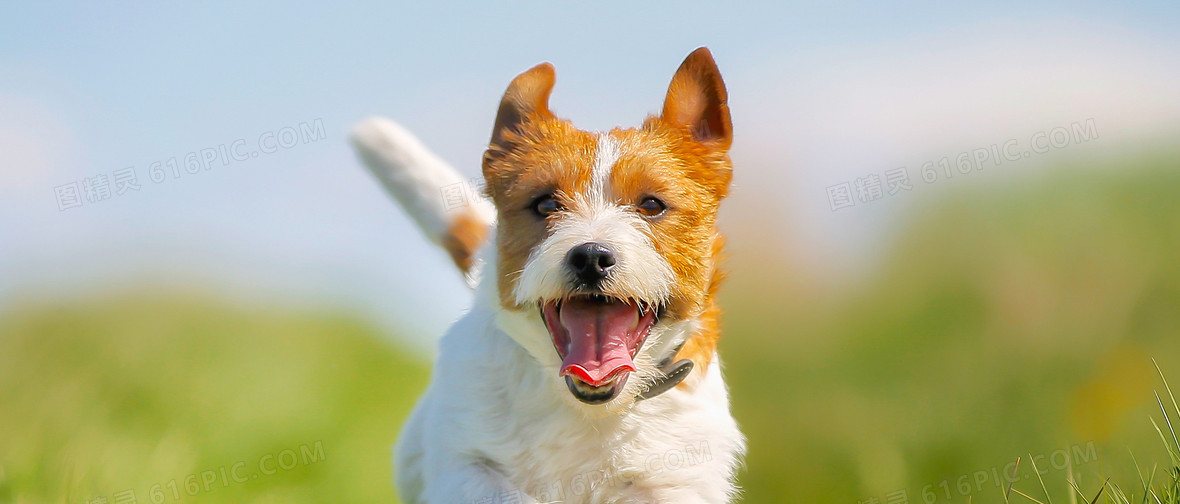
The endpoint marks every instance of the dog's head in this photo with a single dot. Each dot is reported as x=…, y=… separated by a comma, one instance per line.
x=608, y=239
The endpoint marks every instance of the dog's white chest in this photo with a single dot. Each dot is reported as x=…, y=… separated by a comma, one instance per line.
x=623, y=461
x=492, y=402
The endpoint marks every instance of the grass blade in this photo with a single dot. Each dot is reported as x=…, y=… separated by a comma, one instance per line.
x=1167, y=387
x=1171, y=453
x=1038, y=473
x=1073, y=499
x=1169, y=422
x=1099, y=494
x=1026, y=496
x=1012, y=480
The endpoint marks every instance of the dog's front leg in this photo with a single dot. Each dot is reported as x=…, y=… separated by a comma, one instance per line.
x=472, y=483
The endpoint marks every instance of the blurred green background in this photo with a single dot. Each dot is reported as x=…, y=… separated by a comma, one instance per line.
x=1006, y=321
x=255, y=329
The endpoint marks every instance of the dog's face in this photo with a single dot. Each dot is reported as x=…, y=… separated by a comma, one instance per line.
x=607, y=237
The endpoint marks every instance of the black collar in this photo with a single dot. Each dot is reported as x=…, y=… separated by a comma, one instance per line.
x=671, y=374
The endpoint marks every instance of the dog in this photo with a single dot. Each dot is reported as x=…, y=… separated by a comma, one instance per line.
x=586, y=370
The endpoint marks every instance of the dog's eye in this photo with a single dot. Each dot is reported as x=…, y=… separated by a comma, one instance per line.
x=546, y=205
x=651, y=207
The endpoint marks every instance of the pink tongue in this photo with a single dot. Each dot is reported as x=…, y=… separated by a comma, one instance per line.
x=601, y=336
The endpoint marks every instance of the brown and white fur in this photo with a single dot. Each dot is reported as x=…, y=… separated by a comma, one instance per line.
x=535, y=396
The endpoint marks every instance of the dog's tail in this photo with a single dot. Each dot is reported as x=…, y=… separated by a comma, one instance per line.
x=441, y=202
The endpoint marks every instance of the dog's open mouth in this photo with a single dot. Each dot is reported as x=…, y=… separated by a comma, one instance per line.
x=597, y=338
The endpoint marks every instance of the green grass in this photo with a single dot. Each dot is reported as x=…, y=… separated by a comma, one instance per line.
x=157, y=392
x=1153, y=488
x=1015, y=321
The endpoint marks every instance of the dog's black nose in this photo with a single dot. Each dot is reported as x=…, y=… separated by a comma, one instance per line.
x=590, y=262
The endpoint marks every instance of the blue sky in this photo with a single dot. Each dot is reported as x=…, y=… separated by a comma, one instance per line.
x=821, y=94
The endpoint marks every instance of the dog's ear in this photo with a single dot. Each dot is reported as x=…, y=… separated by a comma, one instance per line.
x=527, y=98
x=696, y=101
